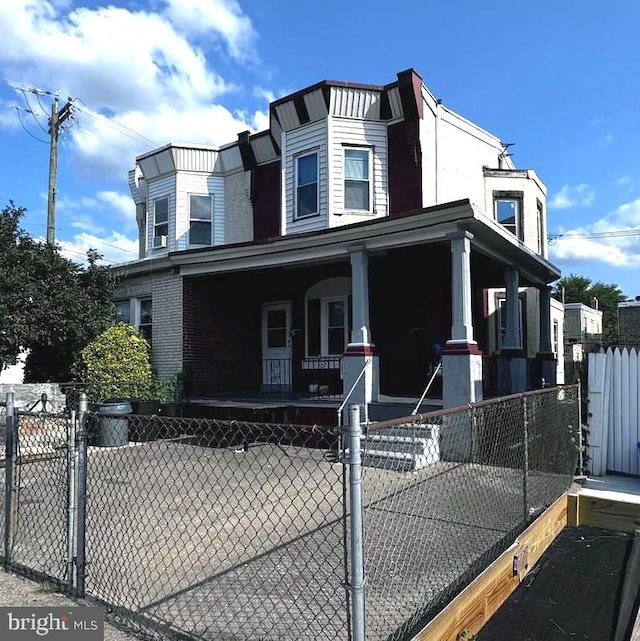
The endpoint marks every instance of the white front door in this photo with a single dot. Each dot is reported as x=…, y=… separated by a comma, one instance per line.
x=276, y=347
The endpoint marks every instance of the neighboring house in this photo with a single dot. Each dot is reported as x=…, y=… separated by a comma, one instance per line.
x=365, y=227
x=582, y=324
x=629, y=323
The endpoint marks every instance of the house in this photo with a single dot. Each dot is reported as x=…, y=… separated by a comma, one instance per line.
x=629, y=323
x=368, y=232
x=582, y=324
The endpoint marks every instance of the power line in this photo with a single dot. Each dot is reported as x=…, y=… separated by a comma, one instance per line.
x=32, y=112
x=603, y=234
x=18, y=110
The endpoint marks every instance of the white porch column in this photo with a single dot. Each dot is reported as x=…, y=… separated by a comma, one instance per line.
x=360, y=296
x=461, y=358
x=462, y=324
x=547, y=364
x=359, y=354
x=514, y=358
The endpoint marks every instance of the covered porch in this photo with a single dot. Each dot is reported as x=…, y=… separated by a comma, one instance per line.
x=299, y=320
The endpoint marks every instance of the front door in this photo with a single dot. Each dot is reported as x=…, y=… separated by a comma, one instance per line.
x=276, y=347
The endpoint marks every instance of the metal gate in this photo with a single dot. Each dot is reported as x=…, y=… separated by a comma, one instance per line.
x=41, y=483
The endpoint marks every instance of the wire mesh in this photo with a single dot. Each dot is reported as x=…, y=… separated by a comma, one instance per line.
x=445, y=493
x=39, y=506
x=220, y=530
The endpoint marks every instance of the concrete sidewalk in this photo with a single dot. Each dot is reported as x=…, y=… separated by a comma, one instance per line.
x=19, y=592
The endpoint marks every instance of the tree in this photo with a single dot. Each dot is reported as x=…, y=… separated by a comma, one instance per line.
x=48, y=304
x=580, y=289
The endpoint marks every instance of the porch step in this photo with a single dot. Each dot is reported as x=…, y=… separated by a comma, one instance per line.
x=399, y=449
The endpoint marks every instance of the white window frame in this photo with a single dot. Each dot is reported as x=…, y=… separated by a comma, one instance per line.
x=202, y=220
x=324, y=326
x=296, y=160
x=157, y=225
x=555, y=336
x=369, y=152
x=501, y=329
x=540, y=226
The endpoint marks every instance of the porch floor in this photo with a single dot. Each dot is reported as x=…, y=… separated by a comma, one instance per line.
x=385, y=408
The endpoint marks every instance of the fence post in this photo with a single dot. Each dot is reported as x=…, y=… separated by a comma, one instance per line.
x=580, y=434
x=81, y=496
x=356, y=586
x=10, y=483
x=525, y=457
x=71, y=501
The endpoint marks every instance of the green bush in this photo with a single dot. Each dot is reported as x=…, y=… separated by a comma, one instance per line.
x=117, y=365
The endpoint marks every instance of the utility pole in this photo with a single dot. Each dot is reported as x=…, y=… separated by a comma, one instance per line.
x=55, y=123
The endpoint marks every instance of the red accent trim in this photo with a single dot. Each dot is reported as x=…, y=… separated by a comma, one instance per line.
x=359, y=350
x=461, y=349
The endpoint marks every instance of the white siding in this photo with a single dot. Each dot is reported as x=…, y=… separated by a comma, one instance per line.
x=194, y=159
x=161, y=188
x=355, y=103
x=188, y=183
x=311, y=137
x=372, y=134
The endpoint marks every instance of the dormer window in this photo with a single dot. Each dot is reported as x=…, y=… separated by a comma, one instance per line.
x=200, y=219
x=357, y=185
x=160, y=222
x=508, y=211
x=307, y=185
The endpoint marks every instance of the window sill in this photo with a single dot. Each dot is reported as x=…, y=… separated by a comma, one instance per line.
x=297, y=218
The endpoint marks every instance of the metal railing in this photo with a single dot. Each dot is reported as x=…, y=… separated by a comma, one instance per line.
x=229, y=529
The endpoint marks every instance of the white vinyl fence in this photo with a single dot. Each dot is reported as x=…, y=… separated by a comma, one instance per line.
x=614, y=422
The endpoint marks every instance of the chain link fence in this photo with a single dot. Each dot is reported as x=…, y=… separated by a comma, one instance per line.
x=232, y=530
x=449, y=491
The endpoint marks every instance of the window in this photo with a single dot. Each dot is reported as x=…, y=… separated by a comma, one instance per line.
x=277, y=328
x=540, y=212
x=145, y=320
x=160, y=220
x=508, y=211
x=501, y=323
x=307, y=185
x=123, y=311
x=357, y=186
x=556, y=338
x=327, y=326
x=200, y=217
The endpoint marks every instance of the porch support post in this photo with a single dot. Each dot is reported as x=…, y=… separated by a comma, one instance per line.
x=514, y=358
x=547, y=364
x=461, y=358
x=360, y=352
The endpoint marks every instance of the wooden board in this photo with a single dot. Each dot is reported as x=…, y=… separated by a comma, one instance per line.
x=608, y=512
x=475, y=605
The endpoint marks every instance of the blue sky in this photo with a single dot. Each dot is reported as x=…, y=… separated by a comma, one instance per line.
x=558, y=79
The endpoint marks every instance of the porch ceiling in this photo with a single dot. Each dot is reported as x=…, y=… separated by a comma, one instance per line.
x=429, y=225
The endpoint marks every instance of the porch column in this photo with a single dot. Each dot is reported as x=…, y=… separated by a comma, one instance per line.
x=359, y=351
x=461, y=358
x=514, y=358
x=546, y=358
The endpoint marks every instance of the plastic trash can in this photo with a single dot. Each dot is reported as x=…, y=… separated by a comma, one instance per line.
x=112, y=429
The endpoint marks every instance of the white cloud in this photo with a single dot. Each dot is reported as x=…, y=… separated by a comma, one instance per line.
x=613, y=240
x=581, y=195
x=116, y=247
x=220, y=16
x=624, y=181
x=139, y=71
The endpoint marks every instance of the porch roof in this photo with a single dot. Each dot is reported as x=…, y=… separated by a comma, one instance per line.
x=425, y=226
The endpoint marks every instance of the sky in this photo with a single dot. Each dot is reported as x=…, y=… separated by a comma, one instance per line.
x=560, y=80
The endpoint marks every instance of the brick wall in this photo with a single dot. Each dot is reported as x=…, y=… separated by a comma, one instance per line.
x=238, y=214
x=165, y=289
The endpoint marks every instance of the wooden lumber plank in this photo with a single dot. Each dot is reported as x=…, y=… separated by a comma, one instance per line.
x=477, y=603
x=573, y=510
x=608, y=513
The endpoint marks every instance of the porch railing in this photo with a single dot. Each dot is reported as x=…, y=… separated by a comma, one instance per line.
x=312, y=378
